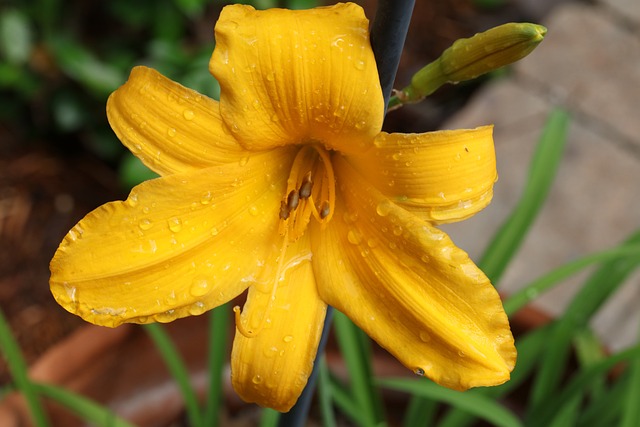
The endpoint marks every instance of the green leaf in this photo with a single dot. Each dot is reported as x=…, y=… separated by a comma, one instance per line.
x=83, y=66
x=542, y=171
x=178, y=370
x=19, y=372
x=355, y=349
x=269, y=418
x=132, y=171
x=16, y=37
x=595, y=291
x=325, y=394
x=471, y=401
x=85, y=408
x=218, y=355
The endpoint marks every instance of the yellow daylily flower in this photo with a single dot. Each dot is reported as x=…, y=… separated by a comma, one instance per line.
x=288, y=188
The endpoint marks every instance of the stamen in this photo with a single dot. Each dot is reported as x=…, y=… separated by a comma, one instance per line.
x=306, y=186
x=325, y=210
x=292, y=200
x=250, y=333
x=284, y=210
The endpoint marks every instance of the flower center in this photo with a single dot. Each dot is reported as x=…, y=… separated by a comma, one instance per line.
x=311, y=190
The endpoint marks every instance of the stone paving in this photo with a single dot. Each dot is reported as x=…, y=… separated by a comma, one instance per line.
x=589, y=64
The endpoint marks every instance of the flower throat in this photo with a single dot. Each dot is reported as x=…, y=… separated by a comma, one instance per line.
x=311, y=190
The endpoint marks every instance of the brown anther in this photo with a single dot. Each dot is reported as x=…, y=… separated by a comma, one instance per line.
x=305, y=187
x=325, y=209
x=284, y=210
x=292, y=200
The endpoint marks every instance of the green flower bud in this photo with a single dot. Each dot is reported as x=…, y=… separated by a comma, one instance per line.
x=469, y=58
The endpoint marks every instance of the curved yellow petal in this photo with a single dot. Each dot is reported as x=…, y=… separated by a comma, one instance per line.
x=442, y=176
x=172, y=129
x=293, y=76
x=411, y=289
x=271, y=368
x=178, y=246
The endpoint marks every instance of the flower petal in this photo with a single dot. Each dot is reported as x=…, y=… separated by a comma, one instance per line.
x=172, y=129
x=179, y=245
x=272, y=367
x=411, y=289
x=442, y=176
x=291, y=76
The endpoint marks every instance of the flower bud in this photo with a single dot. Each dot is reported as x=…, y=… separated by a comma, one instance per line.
x=474, y=56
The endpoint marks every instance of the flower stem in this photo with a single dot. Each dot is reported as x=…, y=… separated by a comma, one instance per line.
x=388, y=33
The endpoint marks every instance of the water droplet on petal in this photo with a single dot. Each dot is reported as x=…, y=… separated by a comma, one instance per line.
x=419, y=372
x=188, y=114
x=175, y=224
x=383, y=208
x=214, y=231
x=197, y=308
x=171, y=132
x=253, y=211
x=145, y=224
x=199, y=287
x=287, y=338
x=165, y=317
x=354, y=237
x=257, y=379
x=425, y=337
x=206, y=198
x=132, y=200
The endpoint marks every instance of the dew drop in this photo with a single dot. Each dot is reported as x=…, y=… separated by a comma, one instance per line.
x=214, y=231
x=132, y=200
x=165, y=317
x=199, y=287
x=397, y=230
x=419, y=372
x=271, y=77
x=145, y=224
x=244, y=161
x=354, y=237
x=253, y=211
x=383, y=208
x=171, y=132
x=424, y=258
x=425, y=337
x=359, y=65
x=188, y=114
x=257, y=379
x=197, y=308
x=462, y=353
x=206, y=198
x=175, y=224
x=287, y=338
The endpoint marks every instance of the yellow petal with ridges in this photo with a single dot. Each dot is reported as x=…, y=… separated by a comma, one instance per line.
x=178, y=246
x=411, y=289
x=442, y=176
x=271, y=368
x=293, y=76
x=171, y=128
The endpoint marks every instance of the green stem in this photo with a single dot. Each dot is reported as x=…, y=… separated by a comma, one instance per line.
x=19, y=372
x=218, y=335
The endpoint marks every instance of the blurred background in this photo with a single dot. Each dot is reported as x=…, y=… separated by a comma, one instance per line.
x=60, y=60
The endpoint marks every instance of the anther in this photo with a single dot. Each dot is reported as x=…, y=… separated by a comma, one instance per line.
x=292, y=200
x=305, y=187
x=325, y=209
x=284, y=210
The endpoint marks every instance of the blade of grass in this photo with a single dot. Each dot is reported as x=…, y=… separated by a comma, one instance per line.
x=357, y=360
x=553, y=404
x=529, y=348
x=631, y=409
x=218, y=337
x=269, y=418
x=86, y=409
x=177, y=369
x=471, y=401
x=542, y=171
x=420, y=412
x=325, y=394
x=595, y=291
x=603, y=411
x=589, y=351
x=19, y=372
x=343, y=400
x=519, y=299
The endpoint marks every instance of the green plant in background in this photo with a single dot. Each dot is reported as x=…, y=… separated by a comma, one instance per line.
x=542, y=352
